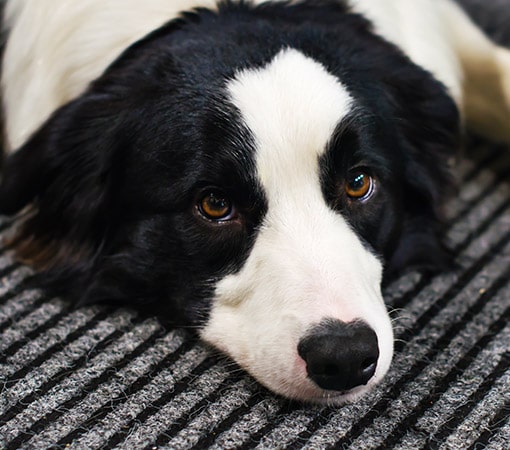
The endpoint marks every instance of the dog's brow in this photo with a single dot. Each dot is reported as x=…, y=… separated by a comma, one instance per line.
x=292, y=106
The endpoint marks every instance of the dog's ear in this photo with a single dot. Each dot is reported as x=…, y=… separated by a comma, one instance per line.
x=428, y=123
x=62, y=177
x=419, y=248
x=26, y=172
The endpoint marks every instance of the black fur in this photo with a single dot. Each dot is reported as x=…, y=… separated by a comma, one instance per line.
x=113, y=177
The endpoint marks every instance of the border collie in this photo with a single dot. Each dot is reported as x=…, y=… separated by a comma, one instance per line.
x=247, y=168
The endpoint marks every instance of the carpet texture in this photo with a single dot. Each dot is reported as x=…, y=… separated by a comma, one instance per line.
x=108, y=378
x=102, y=378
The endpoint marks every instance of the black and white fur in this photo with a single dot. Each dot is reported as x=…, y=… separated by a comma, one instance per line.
x=121, y=115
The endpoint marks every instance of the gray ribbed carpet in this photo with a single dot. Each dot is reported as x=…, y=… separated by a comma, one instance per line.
x=102, y=378
x=97, y=378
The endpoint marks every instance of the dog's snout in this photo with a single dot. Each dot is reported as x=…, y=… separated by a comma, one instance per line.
x=340, y=356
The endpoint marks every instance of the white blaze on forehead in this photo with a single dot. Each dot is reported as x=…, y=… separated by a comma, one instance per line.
x=292, y=107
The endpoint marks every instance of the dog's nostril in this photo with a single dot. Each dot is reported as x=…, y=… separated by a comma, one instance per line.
x=368, y=367
x=340, y=356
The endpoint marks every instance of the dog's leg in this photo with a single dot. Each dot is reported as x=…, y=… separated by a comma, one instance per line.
x=486, y=67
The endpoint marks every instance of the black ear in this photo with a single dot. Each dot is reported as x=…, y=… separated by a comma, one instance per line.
x=419, y=248
x=428, y=124
x=22, y=178
x=62, y=176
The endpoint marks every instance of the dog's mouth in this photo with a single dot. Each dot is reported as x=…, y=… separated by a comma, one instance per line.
x=330, y=396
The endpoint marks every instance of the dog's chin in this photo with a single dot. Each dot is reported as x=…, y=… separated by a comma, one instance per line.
x=301, y=389
x=335, y=398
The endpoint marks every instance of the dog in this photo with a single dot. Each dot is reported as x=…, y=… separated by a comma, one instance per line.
x=249, y=169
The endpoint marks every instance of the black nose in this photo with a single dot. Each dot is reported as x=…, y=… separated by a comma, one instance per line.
x=340, y=356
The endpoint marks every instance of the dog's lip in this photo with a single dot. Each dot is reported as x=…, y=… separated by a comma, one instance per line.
x=326, y=396
x=331, y=395
x=320, y=395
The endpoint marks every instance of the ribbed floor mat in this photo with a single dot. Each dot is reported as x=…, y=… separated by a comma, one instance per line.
x=102, y=378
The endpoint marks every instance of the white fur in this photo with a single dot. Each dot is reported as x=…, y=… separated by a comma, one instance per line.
x=421, y=31
x=440, y=37
x=307, y=264
x=486, y=69
x=56, y=47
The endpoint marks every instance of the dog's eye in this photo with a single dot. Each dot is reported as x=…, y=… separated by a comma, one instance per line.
x=215, y=205
x=359, y=185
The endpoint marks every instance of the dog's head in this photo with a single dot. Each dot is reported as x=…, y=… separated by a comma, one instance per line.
x=248, y=172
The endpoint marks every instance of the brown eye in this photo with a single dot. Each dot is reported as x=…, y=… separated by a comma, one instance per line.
x=359, y=186
x=215, y=205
